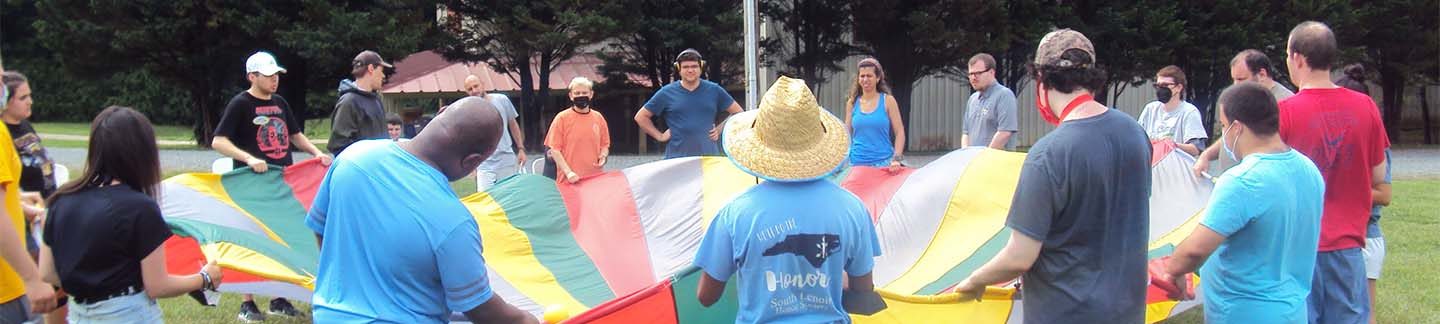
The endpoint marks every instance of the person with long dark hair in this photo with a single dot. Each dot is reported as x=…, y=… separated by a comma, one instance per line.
x=104, y=234
x=874, y=119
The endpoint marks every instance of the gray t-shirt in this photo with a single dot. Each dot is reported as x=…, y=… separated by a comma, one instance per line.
x=1084, y=192
x=988, y=111
x=1180, y=126
x=1280, y=92
x=507, y=114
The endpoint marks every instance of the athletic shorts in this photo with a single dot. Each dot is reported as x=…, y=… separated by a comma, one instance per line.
x=1374, y=256
x=1339, y=292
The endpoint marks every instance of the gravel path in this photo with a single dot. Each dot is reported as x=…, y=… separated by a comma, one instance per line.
x=1410, y=163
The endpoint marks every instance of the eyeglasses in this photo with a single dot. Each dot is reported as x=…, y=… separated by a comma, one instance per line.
x=979, y=72
x=1164, y=85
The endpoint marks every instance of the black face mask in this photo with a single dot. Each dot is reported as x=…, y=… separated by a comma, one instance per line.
x=581, y=102
x=1162, y=94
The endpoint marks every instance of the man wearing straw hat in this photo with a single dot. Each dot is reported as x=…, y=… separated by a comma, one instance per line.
x=794, y=238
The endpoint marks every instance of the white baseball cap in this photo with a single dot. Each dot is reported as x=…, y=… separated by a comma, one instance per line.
x=264, y=63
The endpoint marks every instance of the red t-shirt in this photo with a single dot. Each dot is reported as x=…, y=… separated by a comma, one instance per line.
x=1339, y=130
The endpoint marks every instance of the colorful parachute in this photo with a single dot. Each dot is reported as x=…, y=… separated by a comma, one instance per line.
x=617, y=247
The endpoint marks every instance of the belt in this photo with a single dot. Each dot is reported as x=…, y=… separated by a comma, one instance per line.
x=127, y=291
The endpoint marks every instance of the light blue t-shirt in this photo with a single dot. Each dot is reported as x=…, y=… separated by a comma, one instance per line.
x=1268, y=208
x=398, y=244
x=790, y=245
x=690, y=114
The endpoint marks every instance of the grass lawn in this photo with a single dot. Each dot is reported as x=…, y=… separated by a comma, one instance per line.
x=163, y=132
x=315, y=129
x=1405, y=293
x=1413, y=254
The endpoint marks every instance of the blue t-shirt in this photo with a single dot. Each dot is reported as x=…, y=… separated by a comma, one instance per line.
x=790, y=244
x=1262, y=272
x=398, y=244
x=1373, y=230
x=1084, y=193
x=690, y=116
x=871, y=145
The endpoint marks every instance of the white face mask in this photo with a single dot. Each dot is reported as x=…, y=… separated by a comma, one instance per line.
x=1226, y=144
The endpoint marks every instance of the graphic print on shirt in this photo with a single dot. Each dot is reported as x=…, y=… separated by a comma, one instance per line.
x=32, y=155
x=271, y=134
x=1332, y=127
x=797, y=289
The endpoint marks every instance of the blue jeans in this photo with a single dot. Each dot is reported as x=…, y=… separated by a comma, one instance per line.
x=136, y=308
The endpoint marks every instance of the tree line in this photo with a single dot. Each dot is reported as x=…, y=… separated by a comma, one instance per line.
x=177, y=60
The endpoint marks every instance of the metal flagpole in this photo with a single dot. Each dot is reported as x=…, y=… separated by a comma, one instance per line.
x=752, y=57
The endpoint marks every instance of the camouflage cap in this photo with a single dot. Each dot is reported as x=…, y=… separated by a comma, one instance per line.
x=1057, y=42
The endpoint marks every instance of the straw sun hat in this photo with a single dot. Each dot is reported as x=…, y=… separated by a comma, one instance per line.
x=790, y=138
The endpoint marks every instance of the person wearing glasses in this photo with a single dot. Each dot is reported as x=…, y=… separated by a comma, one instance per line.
x=1170, y=117
x=990, y=114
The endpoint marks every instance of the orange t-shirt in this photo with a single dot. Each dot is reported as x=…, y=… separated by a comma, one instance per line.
x=580, y=138
x=11, y=286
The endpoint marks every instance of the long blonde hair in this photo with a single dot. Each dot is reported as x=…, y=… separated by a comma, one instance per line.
x=881, y=86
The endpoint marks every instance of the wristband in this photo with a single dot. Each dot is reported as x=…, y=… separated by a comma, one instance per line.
x=205, y=283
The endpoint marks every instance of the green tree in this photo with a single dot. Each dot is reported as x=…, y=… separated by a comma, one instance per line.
x=1133, y=39
x=200, y=47
x=1016, y=37
x=1216, y=32
x=650, y=33
x=527, y=39
x=813, y=42
x=1399, y=40
x=917, y=39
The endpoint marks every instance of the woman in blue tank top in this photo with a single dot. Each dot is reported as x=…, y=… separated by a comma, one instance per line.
x=874, y=118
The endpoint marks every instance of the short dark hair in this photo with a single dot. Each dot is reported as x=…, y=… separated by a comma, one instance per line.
x=1250, y=103
x=1316, y=42
x=689, y=55
x=393, y=119
x=983, y=57
x=1173, y=72
x=1255, y=61
x=1071, y=78
x=1354, y=79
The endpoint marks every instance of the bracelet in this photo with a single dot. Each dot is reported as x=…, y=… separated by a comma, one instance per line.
x=205, y=283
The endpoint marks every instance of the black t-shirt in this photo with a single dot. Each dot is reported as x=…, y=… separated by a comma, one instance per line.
x=260, y=127
x=38, y=173
x=98, y=237
x=1084, y=193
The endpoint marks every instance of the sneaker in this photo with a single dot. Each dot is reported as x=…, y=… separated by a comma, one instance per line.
x=282, y=307
x=249, y=313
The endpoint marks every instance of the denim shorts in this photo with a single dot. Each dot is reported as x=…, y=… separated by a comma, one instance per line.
x=134, y=308
x=1338, y=293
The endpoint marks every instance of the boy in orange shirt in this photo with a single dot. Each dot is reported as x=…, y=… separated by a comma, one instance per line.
x=579, y=138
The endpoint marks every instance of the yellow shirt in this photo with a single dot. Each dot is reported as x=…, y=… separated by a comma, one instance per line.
x=11, y=286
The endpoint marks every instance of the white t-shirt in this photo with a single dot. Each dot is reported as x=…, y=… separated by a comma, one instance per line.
x=1181, y=126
